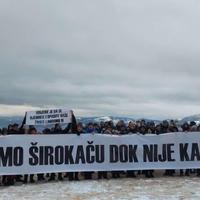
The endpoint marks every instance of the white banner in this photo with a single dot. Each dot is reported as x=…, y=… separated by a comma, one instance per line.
x=27, y=154
x=48, y=116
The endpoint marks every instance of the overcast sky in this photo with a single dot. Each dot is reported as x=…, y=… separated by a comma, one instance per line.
x=109, y=57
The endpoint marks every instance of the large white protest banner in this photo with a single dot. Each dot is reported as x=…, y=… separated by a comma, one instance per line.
x=27, y=154
x=48, y=116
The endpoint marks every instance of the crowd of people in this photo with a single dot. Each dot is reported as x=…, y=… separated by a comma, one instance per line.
x=120, y=128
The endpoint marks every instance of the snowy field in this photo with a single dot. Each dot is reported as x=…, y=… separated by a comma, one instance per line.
x=162, y=188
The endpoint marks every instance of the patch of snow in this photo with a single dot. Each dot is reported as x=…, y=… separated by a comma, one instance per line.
x=122, y=189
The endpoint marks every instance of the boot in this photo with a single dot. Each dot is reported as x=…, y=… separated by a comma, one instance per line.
x=52, y=177
x=60, y=178
x=76, y=176
x=40, y=177
x=187, y=172
x=32, y=178
x=26, y=178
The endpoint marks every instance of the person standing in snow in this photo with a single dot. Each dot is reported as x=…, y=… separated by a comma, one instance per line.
x=32, y=131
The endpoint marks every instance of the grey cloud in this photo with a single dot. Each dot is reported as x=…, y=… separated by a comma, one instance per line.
x=137, y=58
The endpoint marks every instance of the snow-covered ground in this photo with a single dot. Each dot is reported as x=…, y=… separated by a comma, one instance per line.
x=161, y=188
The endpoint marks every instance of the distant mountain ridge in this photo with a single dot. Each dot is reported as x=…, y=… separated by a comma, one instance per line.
x=195, y=118
x=4, y=121
x=115, y=119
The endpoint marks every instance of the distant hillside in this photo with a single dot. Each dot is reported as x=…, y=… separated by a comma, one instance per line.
x=4, y=121
x=195, y=118
x=86, y=120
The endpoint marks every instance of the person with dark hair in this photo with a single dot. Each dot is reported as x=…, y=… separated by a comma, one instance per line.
x=4, y=131
x=143, y=129
x=9, y=128
x=185, y=128
x=158, y=129
x=131, y=129
x=173, y=128
x=97, y=128
x=107, y=129
x=165, y=128
x=80, y=128
x=90, y=129
x=103, y=125
x=72, y=128
x=57, y=129
x=41, y=176
x=193, y=126
x=120, y=130
x=7, y=180
x=32, y=131
x=13, y=130
x=46, y=131
x=150, y=129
